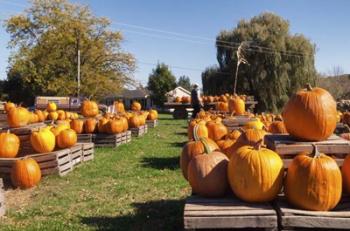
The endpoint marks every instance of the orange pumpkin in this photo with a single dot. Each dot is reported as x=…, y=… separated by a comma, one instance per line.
x=18, y=117
x=225, y=145
x=135, y=121
x=67, y=138
x=90, y=125
x=185, y=99
x=102, y=125
x=8, y=106
x=313, y=182
x=89, y=108
x=236, y=105
x=53, y=115
x=255, y=174
x=115, y=126
x=119, y=107
x=177, y=99
x=25, y=173
x=61, y=115
x=277, y=127
x=234, y=135
x=77, y=125
x=222, y=106
x=41, y=115
x=199, y=127
x=43, y=140
x=9, y=145
x=152, y=115
x=216, y=130
x=51, y=107
x=136, y=106
x=33, y=118
x=310, y=114
x=345, y=170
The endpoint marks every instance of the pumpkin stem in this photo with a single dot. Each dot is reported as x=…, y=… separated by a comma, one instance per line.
x=315, y=152
x=308, y=87
x=207, y=148
x=258, y=144
x=195, y=132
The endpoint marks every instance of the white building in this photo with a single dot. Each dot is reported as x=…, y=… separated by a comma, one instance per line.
x=177, y=92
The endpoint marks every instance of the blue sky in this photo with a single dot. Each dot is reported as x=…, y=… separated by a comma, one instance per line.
x=325, y=23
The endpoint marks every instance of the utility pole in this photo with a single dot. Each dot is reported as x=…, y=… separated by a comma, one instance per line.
x=240, y=59
x=78, y=78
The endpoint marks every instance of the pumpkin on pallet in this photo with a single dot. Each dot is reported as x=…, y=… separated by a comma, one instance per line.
x=89, y=108
x=9, y=145
x=277, y=127
x=25, y=173
x=43, y=140
x=216, y=129
x=119, y=106
x=77, y=125
x=66, y=138
x=136, y=106
x=8, y=106
x=18, y=117
x=90, y=125
x=313, y=181
x=152, y=115
x=255, y=173
x=236, y=105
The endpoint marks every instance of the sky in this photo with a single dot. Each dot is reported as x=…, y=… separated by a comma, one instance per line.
x=182, y=33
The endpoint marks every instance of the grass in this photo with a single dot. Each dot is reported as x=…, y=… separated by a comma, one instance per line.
x=137, y=186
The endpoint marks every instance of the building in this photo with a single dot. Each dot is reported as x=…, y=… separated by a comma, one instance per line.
x=128, y=96
x=177, y=92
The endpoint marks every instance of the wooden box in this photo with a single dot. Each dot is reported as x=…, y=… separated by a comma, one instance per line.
x=25, y=130
x=230, y=212
x=139, y=131
x=2, y=199
x=296, y=219
x=111, y=140
x=152, y=123
x=76, y=154
x=88, y=151
x=85, y=138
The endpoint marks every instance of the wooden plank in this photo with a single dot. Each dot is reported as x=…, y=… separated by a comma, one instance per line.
x=232, y=212
x=222, y=206
x=315, y=222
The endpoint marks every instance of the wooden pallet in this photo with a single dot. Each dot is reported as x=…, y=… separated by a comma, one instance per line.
x=230, y=212
x=139, y=131
x=291, y=218
x=85, y=138
x=25, y=130
x=288, y=147
x=76, y=154
x=88, y=151
x=152, y=123
x=2, y=198
x=111, y=140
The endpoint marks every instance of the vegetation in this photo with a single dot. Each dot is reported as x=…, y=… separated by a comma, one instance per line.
x=46, y=39
x=338, y=86
x=137, y=186
x=161, y=81
x=185, y=82
x=279, y=63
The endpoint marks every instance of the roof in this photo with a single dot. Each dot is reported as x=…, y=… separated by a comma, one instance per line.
x=170, y=93
x=131, y=94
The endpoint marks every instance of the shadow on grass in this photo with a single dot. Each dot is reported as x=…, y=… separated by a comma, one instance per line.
x=150, y=215
x=178, y=144
x=161, y=163
x=181, y=133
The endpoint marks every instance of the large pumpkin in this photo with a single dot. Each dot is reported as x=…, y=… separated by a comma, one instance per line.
x=207, y=173
x=313, y=182
x=136, y=106
x=152, y=115
x=216, y=130
x=67, y=138
x=77, y=125
x=222, y=106
x=198, y=128
x=236, y=105
x=18, y=117
x=255, y=174
x=310, y=114
x=345, y=169
x=9, y=145
x=248, y=137
x=119, y=107
x=89, y=108
x=8, y=106
x=43, y=140
x=192, y=149
x=102, y=125
x=115, y=126
x=51, y=107
x=25, y=173
x=90, y=125
x=135, y=121
x=254, y=124
x=277, y=127
x=125, y=123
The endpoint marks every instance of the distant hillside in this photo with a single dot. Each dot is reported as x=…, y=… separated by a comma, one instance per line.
x=338, y=86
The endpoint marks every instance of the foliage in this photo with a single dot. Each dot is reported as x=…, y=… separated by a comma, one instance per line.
x=46, y=39
x=161, y=81
x=185, y=82
x=338, y=86
x=284, y=65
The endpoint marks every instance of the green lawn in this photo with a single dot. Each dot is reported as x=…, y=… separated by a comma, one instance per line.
x=137, y=186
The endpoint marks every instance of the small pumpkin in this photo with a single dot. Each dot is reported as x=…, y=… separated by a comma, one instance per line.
x=236, y=105
x=61, y=115
x=216, y=130
x=67, y=138
x=89, y=108
x=198, y=128
x=254, y=124
x=222, y=106
x=9, y=145
x=43, y=141
x=135, y=121
x=135, y=106
x=277, y=127
x=177, y=99
x=101, y=125
x=77, y=125
x=41, y=115
x=90, y=125
x=18, y=117
x=153, y=115
x=185, y=99
x=255, y=174
x=8, y=106
x=25, y=173
x=53, y=115
x=51, y=107
x=119, y=107
x=313, y=182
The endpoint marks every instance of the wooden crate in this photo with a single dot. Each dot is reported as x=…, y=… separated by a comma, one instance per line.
x=2, y=199
x=232, y=213
x=288, y=147
x=25, y=130
x=295, y=219
x=76, y=153
x=88, y=151
x=152, y=123
x=111, y=140
x=85, y=138
x=139, y=131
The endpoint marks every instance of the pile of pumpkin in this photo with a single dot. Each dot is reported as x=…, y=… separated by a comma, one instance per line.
x=215, y=161
x=183, y=99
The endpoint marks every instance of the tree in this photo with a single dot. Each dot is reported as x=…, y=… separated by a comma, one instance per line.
x=161, y=81
x=185, y=82
x=279, y=63
x=46, y=40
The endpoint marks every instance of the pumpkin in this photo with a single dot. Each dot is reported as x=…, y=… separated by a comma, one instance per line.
x=46, y=114
x=25, y=173
x=216, y=130
x=101, y=125
x=115, y=126
x=234, y=135
x=33, y=118
x=67, y=138
x=43, y=141
x=135, y=121
x=222, y=98
x=194, y=148
x=53, y=115
x=207, y=173
x=90, y=125
x=199, y=127
x=125, y=124
x=9, y=145
x=60, y=127
x=248, y=137
x=255, y=174
x=185, y=99
x=119, y=107
x=277, y=127
x=225, y=145
x=61, y=115
x=153, y=115
x=254, y=124
x=345, y=170
x=89, y=108
x=77, y=125
x=177, y=99
x=18, y=117
x=222, y=106
x=41, y=115
x=310, y=114
x=8, y=106
x=51, y=107
x=236, y=105
x=313, y=182
x=135, y=106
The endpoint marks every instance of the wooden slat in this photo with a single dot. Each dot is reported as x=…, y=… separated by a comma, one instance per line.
x=223, y=206
x=232, y=212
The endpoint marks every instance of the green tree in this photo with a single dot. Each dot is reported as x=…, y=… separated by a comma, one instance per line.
x=46, y=39
x=185, y=82
x=279, y=63
x=161, y=81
